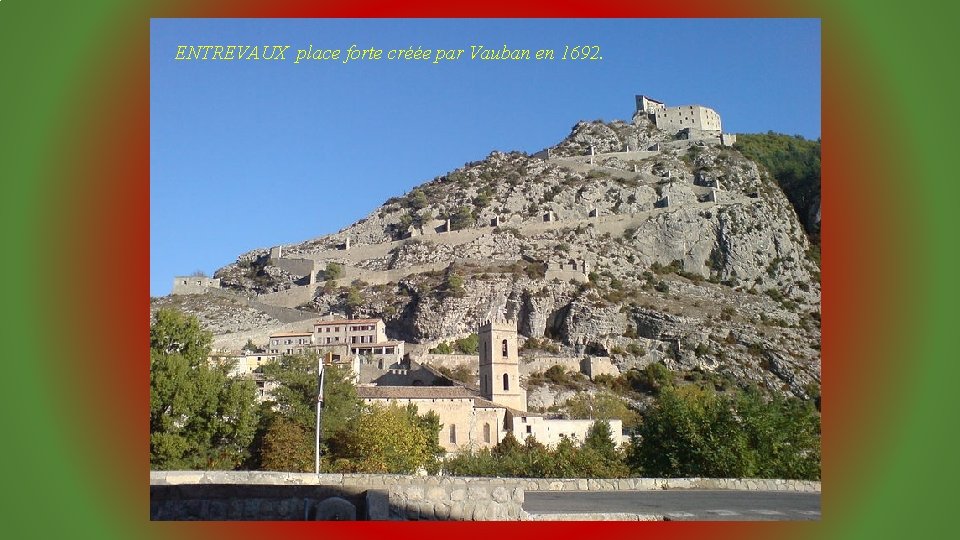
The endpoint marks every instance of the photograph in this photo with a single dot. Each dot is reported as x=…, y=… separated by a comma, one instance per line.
x=485, y=269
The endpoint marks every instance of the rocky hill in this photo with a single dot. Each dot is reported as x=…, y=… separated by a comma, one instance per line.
x=684, y=253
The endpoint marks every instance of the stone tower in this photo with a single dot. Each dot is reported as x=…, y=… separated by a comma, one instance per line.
x=500, y=365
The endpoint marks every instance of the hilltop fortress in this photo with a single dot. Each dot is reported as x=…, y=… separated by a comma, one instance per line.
x=682, y=126
x=640, y=241
x=693, y=122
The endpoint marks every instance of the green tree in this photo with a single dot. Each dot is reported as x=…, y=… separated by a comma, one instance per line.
x=651, y=379
x=386, y=439
x=600, y=439
x=690, y=431
x=430, y=425
x=479, y=462
x=417, y=199
x=462, y=218
x=294, y=399
x=333, y=271
x=795, y=165
x=287, y=446
x=200, y=418
x=442, y=348
x=468, y=345
x=354, y=299
x=173, y=332
x=693, y=431
x=453, y=285
x=295, y=393
x=783, y=434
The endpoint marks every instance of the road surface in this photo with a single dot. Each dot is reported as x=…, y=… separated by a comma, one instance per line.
x=713, y=505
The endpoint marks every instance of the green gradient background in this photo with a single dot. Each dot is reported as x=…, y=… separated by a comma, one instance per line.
x=74, y=164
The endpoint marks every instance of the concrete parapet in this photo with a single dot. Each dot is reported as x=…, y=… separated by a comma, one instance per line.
x=258, y=495
x=648, y=484
x=604, y=516
x=188, y=495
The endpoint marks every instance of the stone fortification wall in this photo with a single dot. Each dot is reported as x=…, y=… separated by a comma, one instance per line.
x=194, y=284
x=598, y=365
x=543, y=363
x=613, y=224
x=379, y=277
x=528, y=365
x=297, y=267
x=288, y=298
x=449, y=361
x=281, y=313
x=637, y=155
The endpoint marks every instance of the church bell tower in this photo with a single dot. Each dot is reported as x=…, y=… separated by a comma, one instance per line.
x=500, y=365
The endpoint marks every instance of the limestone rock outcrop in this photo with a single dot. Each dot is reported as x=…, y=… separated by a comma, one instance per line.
x=689, y=255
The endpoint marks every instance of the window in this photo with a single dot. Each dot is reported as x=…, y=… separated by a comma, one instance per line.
x=486, y=433
x=453, y=433
x=506, y=381
x=529, y=429
x=504, y=347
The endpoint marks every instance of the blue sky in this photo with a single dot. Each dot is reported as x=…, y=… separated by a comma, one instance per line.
x=249, y=154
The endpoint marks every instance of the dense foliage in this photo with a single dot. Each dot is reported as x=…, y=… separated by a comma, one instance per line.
x=598, y=457
x=200, y=418
x=689, y=431
x=795, y=164
x=354, y=439
x=467, y=345
x=695, y=431
x=388, y=439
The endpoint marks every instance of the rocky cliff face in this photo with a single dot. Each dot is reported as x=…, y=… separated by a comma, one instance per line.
x=690, y=256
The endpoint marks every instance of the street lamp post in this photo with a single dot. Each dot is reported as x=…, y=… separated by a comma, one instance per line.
x=319, y=407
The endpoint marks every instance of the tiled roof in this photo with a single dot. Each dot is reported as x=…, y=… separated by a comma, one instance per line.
x=346, y=321
x=380, y=344
x=414, y=392
x=291, y=334
x=481, y=403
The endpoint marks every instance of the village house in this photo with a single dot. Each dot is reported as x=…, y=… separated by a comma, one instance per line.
x=471, y=417
x=473, y=421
